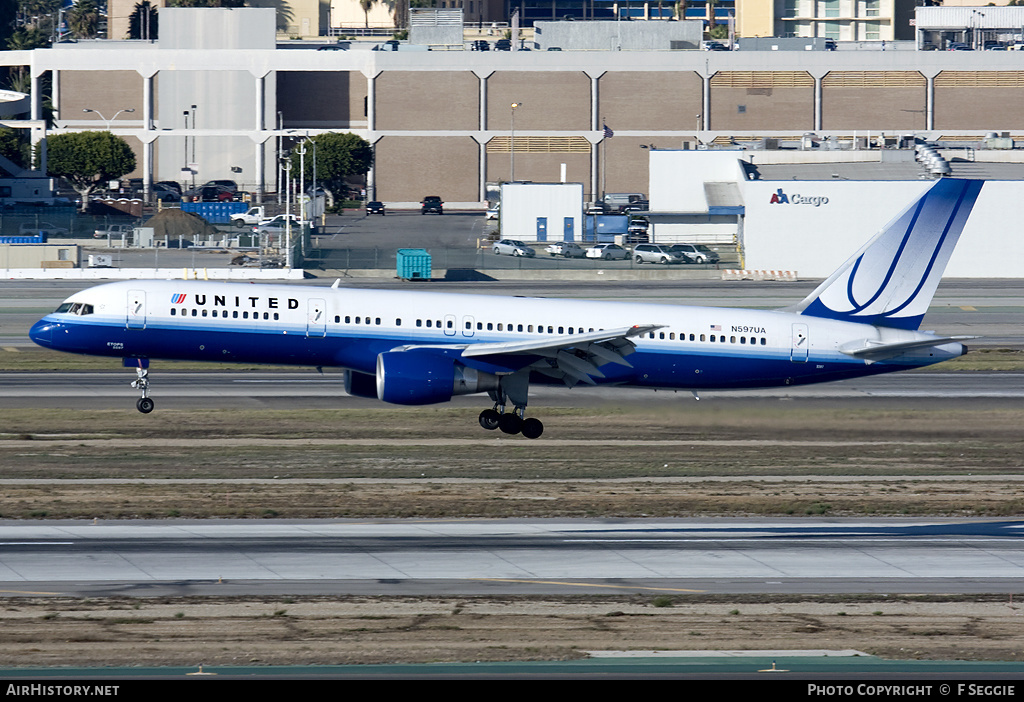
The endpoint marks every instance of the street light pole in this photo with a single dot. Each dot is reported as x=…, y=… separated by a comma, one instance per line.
x=108, y=121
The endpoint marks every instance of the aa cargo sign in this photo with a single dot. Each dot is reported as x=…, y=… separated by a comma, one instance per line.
x=781, y=198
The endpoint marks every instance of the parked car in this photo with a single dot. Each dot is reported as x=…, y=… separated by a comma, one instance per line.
x=568, y=249
x=211, y=193
x=275, y=227
x=655, y=253
x=696, y=253
x=513, y=248
x=432, y=203
x=45, y=228
x=113, y=231
x=596, y=207
x=179, y=244
x=639, y=226
x=480, y=45
x=607, y=252
x=226, y=184
x=503, y=45
x=165, y=193
x=375, y=207
x=494, y=212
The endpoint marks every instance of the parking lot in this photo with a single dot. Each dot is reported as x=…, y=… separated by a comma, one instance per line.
x=356, y=241
x=455, y=240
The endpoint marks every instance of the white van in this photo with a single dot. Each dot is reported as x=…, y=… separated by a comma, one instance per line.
x=618, y=202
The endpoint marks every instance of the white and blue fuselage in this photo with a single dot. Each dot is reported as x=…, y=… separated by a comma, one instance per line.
x=691, y=348
x=412, y=347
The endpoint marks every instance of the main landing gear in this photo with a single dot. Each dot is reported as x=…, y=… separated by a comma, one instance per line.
x=145, y=403
x=511, y=388
x=511, y=422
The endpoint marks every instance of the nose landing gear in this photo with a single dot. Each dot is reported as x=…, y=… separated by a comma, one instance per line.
x=145, y=403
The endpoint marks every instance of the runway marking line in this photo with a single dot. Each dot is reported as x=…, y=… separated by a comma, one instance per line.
x=11, y=349
x=562, y=582
x=968, y=308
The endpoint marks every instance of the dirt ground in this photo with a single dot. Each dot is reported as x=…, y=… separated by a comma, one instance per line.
x=350, y=630
x=744, y=459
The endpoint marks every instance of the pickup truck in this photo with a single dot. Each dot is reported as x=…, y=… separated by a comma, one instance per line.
x=253, y=216
x=113, y=231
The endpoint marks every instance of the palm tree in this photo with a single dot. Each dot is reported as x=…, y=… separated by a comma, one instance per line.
x=23, y=39
x=84, y=19
x=143, y=22
x=367, y=5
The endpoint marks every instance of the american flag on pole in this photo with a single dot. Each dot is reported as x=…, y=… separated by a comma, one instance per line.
x=608, y=133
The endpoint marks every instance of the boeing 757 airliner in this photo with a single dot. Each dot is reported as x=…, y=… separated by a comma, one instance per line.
x=419, y=348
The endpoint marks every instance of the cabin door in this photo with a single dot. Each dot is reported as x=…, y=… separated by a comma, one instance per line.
x=136, y=309
x=800, y=349
x=316, y=319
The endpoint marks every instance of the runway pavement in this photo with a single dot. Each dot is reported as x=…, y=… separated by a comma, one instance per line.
x=503, y=557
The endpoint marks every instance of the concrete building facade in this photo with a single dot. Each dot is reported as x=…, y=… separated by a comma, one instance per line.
x=441, y=121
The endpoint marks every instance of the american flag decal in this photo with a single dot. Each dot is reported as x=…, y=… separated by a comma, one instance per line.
x=716, y=327
x=177, y=298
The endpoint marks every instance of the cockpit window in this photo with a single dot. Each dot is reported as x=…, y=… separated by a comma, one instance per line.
x=79, y=308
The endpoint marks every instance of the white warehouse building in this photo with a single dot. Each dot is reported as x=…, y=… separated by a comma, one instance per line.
x=812, y=226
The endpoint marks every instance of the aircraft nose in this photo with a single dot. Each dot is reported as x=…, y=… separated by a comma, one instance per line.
x=42, y=333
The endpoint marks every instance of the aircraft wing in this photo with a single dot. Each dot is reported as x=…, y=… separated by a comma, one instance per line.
x=872, y=351
x=573, y=358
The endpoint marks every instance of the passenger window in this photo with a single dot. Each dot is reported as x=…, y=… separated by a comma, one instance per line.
x=429, y=322
x=398, y=322
x=712, y=337
x=173, y=311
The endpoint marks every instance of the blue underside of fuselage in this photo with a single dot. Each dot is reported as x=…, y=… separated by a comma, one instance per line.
x=685, y=368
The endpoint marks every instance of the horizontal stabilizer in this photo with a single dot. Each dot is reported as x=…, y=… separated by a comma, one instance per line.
x=876, y=350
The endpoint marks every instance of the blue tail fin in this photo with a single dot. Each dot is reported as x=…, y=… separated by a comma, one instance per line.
x=891, y=280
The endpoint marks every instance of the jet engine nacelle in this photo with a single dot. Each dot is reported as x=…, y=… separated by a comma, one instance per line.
x=360, y=384
x=424, y=378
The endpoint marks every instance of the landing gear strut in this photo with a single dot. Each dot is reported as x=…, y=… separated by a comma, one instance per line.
x=145, y=403
x=512, y=388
